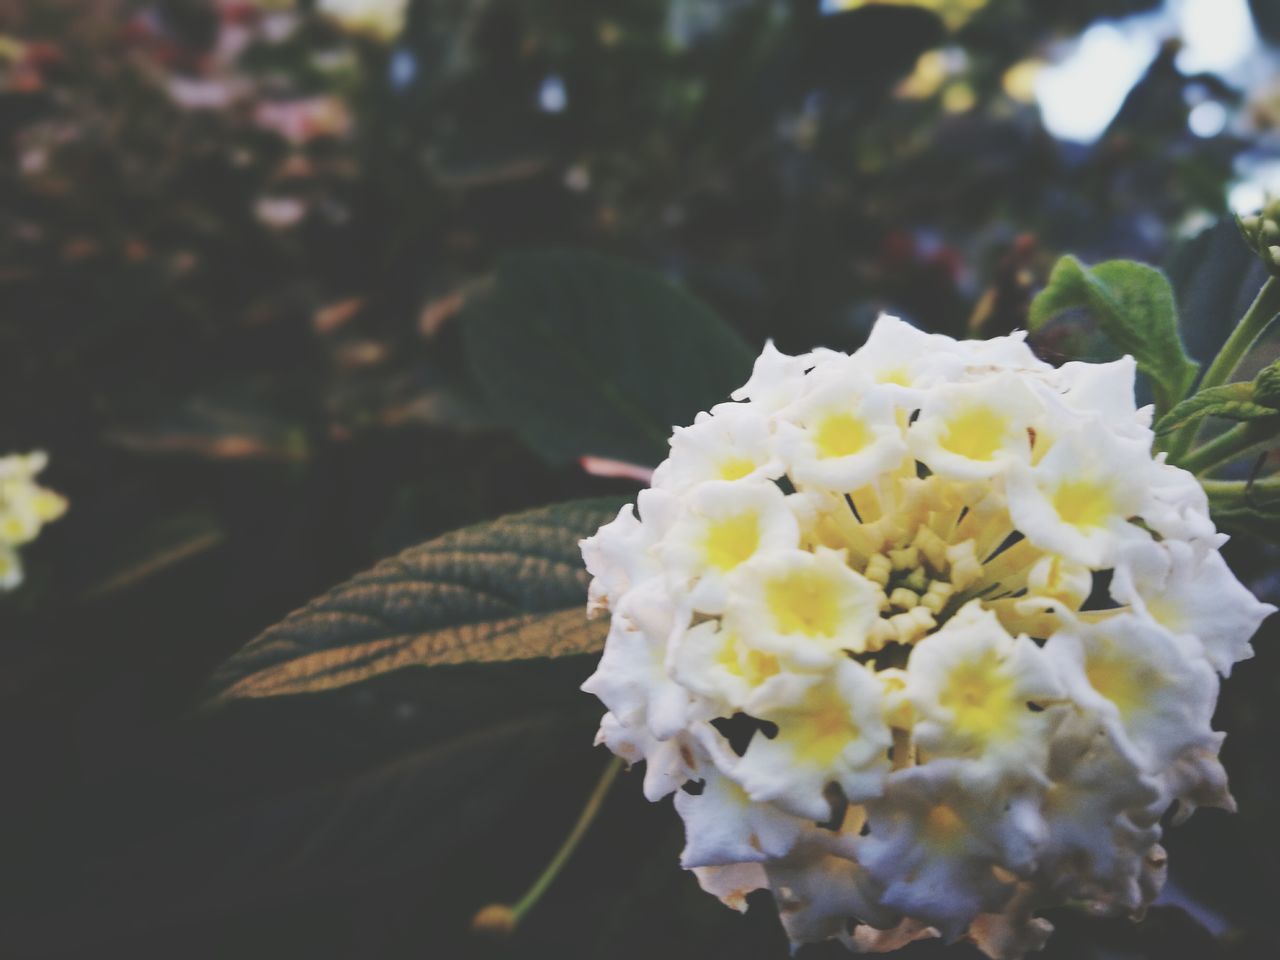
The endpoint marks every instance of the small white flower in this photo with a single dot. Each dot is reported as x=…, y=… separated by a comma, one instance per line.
x=1079, y=499
x=820, y=894
x=976, y=430
x=1193, y=593
x=935, y=845
x=667, y=763
x=1152, y=690
x=620, y=552
x=1100, y=813
x=1009, y=352
x=882, y=569
x=808, y=607
x=730, y=443
x=979, y=693
x=1104, y=390
x=713, y=662
x=897, y=353
x=776, y=379
x=1177, y=508
x=631, y=678
x=833, y=732
x=724, y=826
x=841, y=436
x=723, y=525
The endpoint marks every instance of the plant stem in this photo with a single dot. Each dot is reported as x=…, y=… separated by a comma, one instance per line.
x=1265, y=307
x=1231, y=488
x=553, y=868
x=1227, y=446
x=1261, y=312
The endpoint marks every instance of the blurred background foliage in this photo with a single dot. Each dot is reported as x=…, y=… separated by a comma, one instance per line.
x=238, y=242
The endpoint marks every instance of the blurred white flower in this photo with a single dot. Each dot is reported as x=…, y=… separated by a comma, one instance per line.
x=212, y=93
x=25, y=507
x=382, y=19
x=279, y=212
x=304, y=119
x=875, y=567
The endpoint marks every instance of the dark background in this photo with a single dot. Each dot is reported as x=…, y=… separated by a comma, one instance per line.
x=236, y=243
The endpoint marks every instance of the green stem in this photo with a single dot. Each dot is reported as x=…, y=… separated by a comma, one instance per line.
x=1260, y=313
x=1227, y=446
x=552, y=869
x=1231, y=488
x=500, y=920
x=1265, y=307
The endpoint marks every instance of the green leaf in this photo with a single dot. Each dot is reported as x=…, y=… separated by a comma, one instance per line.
x=584, y=355
x=1133, y=305
x=1215, y=278
x=511, y=589
x=1231, y=401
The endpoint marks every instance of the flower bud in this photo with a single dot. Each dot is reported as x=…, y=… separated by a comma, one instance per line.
x=1261, y=231
x=497, y=921
x=1266, y=386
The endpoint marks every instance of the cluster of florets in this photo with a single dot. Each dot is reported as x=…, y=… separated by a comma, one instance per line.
x=25, y=507
x=1262, y=233
x=923, y=639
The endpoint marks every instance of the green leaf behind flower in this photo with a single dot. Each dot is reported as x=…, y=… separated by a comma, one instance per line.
x=1134, y=306
x=511, y=589
x=584, y=355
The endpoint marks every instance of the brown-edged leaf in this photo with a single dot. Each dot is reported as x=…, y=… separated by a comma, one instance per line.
x=510, y=589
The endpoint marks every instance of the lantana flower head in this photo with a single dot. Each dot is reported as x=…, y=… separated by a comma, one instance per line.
x=25, y=507
x=923, y=639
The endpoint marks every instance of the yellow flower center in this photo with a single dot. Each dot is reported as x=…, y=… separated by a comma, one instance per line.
x=976, y=433
x=735, y=468
x=980, y=698
x=13, y=530
x=753, y=666
x=841, y=435
x=758, y=667
x=825, y=732
x=732, y=540
x=943, y=826
x=1083, y=503
x=804, y=602
x=1125, y=683
x=896, y=375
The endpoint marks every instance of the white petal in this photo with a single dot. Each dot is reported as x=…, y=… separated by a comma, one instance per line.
x=732, y=883
x=1151, y=689
x=1192, y=592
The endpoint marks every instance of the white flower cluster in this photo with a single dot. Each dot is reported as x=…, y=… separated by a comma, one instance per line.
x=25, y=507
x=923, y=639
